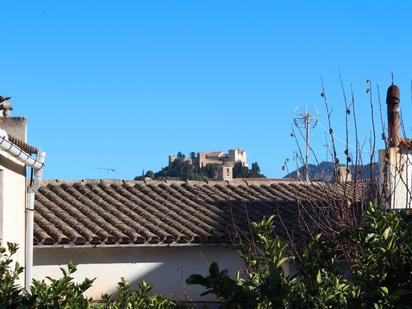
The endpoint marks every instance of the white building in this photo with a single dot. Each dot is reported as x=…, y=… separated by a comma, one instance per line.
x=395, y=162
x=16, y=194
x=220, y=157
x=157, y=231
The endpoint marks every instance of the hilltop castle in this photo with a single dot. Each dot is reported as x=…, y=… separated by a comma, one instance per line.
x=226, y=161
x=217, y=158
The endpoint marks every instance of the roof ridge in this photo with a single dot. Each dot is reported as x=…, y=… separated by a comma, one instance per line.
x=147, y=181
x=22, y=144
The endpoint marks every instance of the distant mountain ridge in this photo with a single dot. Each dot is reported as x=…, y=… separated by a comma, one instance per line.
x=324, y=171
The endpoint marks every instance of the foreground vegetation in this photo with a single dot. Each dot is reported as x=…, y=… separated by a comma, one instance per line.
x=367, y=267
x=65, y=293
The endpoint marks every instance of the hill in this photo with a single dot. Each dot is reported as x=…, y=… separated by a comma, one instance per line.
x=188, y=169
x=324, y=171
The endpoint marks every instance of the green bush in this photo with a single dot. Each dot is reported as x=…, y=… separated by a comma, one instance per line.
x=11, y=294
x=265, y=284
x=126, y=297
x=62, y=292
x=382, y=268
x=379, y=272
x=319, y=283
x=65, y=293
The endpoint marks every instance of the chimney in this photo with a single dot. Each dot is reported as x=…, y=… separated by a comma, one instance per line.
x=394, y=121
x=15, y=126
x=342, y=174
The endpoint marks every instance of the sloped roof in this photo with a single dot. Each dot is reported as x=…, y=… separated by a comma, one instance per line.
x=215, y=154
x=133, y=213
x=22, y=145
x=406, y=143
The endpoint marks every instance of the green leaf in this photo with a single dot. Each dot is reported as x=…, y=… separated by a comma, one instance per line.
x=282, y=261
x=384, y=289
x=386, y=233
x=214, y=269
x=196, y=279
x=318, y=277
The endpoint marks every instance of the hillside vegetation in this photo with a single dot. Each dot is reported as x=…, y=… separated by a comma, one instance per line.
x=183, y=169
x=324, y=171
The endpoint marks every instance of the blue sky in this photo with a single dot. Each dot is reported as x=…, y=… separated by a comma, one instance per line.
x=122, y=84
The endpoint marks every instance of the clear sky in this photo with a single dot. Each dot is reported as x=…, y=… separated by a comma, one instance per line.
x=123, y=84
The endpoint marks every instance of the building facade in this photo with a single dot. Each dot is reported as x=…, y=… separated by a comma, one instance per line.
x=16, y=192
x=13, y=191
x=395, y=162
x=220, y=157
x=159, y=231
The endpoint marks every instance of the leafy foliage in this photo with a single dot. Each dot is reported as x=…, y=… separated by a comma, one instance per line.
x=265, y=285
x=180, y=168
x=382, y=270
x=209, y=171
x=62, y=292
x=320, y=283
x=11, y=294
x=233, y=293
x=254, y=172
x=378, y=276
x=126, y=297
x=149, y=174
x=241, y=171
x=65, y=293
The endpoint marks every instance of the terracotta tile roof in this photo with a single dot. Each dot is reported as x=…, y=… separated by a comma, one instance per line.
x=215, y=154
x=109, y=212
x=406, y=143
x=25, y=147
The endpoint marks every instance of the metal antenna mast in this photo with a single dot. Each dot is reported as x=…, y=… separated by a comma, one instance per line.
x=306, y=118
x=326, y=147
x=109, y=170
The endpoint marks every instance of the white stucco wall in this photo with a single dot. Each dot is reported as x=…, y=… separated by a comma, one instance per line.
x=237, y=155
x=12, y=205
x=398, y=176
x=165, y=268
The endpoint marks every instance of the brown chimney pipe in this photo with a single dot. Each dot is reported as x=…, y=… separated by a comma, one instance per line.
x=394, y=120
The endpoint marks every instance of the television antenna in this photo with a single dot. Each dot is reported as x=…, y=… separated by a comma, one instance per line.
x=306, y=118
x=108, y=170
